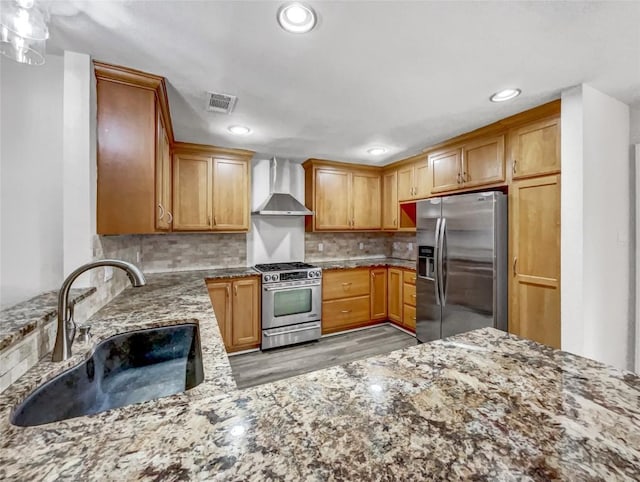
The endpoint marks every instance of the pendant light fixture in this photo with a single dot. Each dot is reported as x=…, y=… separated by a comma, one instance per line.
x=23, y=32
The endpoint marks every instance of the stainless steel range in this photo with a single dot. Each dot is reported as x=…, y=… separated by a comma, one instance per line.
x=291, y=303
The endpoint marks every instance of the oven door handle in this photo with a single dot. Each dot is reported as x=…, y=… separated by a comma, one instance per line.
x=289, y=288
x=267, y=334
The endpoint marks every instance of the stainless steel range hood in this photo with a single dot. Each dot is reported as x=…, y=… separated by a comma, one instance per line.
x=280, y=203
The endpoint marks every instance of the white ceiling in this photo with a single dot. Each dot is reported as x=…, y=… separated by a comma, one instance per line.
x=399, y=74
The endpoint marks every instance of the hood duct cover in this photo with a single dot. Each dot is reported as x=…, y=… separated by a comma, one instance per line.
x=280, y=203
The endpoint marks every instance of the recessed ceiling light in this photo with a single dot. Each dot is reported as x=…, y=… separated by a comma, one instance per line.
x=506, y=94
x=376, y=151
x=296, y=17
x=239, y=130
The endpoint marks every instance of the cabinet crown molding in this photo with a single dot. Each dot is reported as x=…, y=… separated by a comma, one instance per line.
x=187, y=147
x=142, y=80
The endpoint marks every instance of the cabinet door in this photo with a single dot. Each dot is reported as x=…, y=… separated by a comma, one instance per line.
x=245, y=326
x=409, y=316
x=344, y=314
x=366, y=197
x=535, y=230
x=192, y=192
x=536, y=149
x=445, y=170
x=483, y=162
x=163, y=177
x=394, y=298
x=345, y=283
x=422, y=182
x=126, y=124
x=405, y=183
x=230, y=195
x=220, y=294
x=390, y=200
x=332, y=199
x=378, y=294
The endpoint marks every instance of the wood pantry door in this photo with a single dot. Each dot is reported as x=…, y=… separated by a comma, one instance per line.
x=535, y=287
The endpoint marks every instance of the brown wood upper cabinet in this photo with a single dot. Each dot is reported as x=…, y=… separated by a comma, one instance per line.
x=164, y=216
x=413, y=179
x=476, y=163
x=236, y=303
x=134, y=138
x=535, y=149
x=390, y=200
x=342, y=198
x=210, y=189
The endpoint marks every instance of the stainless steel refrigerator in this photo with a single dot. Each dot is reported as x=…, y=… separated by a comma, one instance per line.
x=461, y=279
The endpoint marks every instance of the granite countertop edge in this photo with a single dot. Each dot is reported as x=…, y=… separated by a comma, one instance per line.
x=18, y=321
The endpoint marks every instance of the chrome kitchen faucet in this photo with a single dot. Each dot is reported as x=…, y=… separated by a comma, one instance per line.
x=66, y=330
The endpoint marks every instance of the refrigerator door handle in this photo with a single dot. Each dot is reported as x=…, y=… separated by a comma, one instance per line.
x=441, y=276
x=436, y=277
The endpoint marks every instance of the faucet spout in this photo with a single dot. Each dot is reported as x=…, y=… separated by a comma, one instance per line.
x=65, y=332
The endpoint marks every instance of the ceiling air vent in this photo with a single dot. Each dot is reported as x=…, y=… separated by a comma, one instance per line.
x=222, y=103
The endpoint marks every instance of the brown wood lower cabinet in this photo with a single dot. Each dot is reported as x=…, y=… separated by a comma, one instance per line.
x=236, y=303
x=409, y=300
x=378, y=294
x=394, y=295
x=353, y=298
x=344, y=314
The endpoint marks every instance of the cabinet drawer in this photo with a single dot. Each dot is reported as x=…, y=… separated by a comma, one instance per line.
x=409, y=294
x=409, y=277
x=409, y=317
x=350, y=311
x=345, y=284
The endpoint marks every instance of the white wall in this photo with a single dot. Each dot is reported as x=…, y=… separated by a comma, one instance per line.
x=273, y=239
x=596, y=314
x=634, y=128
x=79, y=154
x=31, y=104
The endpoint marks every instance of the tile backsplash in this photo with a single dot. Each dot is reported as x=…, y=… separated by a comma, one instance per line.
x=403, y=245
x=185, y=251
x=347, y=245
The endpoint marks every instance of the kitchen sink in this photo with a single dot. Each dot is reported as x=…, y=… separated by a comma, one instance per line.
x=128, y=368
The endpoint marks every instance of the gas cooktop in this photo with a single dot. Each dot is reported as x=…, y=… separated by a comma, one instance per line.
x=266, y=268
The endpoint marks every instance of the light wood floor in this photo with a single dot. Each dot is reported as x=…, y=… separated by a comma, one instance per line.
x=256, y=368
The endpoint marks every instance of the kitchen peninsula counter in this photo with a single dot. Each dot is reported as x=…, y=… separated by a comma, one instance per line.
x=484, y=404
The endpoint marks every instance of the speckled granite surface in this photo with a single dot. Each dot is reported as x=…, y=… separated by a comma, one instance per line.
x=365, y=263
x=18, y=321
x=484, y=405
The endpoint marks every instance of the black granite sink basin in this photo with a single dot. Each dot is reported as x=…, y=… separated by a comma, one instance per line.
x=128, y=368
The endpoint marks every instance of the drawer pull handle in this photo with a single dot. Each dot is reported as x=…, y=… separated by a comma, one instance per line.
x=347, y=284
x=414, y=318
x=413, y=296
x=345, y=311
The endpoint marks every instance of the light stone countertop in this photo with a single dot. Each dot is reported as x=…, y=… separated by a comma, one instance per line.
x=364, y=263
x=483, y=405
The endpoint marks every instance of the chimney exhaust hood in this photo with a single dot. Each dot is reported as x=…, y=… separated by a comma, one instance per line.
x=280, y=203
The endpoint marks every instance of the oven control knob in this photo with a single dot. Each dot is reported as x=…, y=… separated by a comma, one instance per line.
x=275, y=277
x=267, y=277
